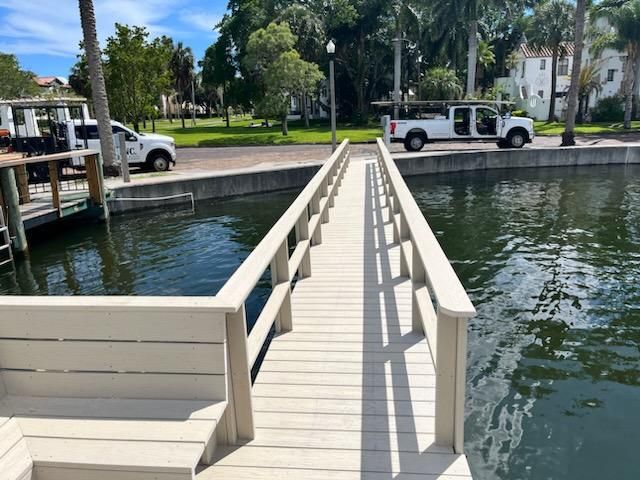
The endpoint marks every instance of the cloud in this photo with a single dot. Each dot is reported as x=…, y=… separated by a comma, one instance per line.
x=199, y=20
x=52, y=27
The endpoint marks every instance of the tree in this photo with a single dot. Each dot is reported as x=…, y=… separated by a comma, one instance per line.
x=271, y=54
x=136, y=73
x=79, y=76
x=568, y=136
x=624, y=17
x=551, y=26
x=181, y=66
x=219, y=70
x=98, y=89
x=588, y=83
x=15, y=81
x=441, y=84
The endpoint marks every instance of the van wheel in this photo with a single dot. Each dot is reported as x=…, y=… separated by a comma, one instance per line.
x=158, y=163
x=414, y=142
x=517, y=138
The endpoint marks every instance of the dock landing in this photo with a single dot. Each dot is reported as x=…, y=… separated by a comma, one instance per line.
x=349, y=393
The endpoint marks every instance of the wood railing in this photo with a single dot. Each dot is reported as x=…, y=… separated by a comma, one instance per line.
x=440, y=305
x=55, y=183
x=306, y=215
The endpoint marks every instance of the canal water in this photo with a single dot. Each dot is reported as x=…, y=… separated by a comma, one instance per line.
x=551, y=260
x=173, y=252
x=550, y=257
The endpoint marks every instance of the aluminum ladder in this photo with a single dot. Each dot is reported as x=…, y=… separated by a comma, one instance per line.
x=5, y=242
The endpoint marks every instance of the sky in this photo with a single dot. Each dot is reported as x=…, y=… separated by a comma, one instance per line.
x=44, y=34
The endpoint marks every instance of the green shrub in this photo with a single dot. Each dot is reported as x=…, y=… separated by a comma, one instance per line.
x=520, y=113
x=609, y=109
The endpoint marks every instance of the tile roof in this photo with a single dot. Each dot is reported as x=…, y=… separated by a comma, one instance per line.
x=539, y=52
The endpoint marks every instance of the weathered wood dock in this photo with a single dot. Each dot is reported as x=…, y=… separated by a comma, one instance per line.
x=364, y=378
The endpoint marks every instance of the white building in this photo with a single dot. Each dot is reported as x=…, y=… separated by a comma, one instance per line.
x=529, y=83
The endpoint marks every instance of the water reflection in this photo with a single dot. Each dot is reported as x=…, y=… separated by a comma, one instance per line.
x=551, y=258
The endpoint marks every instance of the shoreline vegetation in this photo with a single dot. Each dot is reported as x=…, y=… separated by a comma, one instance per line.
x=212, y=132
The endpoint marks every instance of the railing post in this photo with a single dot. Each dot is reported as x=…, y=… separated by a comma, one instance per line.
x=55, y=186
x=324, y=193
x=450, y=381
x=302, y=233
x=280, y=274
x=418, y=278
x=238, y=419
x=405, y=268
x=315, y=209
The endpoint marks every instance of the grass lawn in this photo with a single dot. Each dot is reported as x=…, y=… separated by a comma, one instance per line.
x=556, y=128
x=214, y=133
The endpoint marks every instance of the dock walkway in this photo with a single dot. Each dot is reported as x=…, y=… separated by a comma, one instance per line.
x=349, y=393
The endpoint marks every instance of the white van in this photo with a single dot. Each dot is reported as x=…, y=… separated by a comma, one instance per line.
x=147, y=150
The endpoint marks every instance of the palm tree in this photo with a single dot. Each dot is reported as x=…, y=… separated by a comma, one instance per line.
x=551, y=26
x=568, y=136
x=181, y=66
x=456, y=11
x=589, y=82
x=624, y=17
x=486, y=58
x=441, y=84
x=98, y=89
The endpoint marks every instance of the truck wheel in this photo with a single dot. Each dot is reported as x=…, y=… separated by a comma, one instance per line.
x=158, y=162
x=516, y=138
x=414, y=142
x=502, y=144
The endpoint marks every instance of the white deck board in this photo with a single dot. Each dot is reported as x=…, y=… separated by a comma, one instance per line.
x=348, y=393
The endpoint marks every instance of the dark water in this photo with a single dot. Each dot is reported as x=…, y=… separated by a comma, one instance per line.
x=551, y=259
x=175, y=252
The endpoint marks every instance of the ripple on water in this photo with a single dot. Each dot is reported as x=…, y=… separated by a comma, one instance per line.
x=551, y=259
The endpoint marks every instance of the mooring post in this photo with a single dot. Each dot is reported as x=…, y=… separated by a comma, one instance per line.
x=14, y=217
x=124, y=161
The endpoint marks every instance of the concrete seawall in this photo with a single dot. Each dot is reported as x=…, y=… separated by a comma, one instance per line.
x=205, y=186
x=208, y=186
x=447, y=162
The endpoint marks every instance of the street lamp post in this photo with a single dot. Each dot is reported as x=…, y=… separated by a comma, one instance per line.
x=331, y=50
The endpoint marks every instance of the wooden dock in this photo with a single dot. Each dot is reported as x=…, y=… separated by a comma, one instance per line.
x=364, y=379
x=349, y=393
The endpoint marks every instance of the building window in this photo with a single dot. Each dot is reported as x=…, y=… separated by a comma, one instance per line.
x=541, y=93
x=610, y=75
x=543, y=64
x=563, y=66
x=524, y=64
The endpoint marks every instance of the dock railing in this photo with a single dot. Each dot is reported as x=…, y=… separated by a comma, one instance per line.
x=440, y=305
x=305, y=216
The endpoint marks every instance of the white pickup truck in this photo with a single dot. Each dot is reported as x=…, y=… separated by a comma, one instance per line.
x=462, y=122
x=146, y=150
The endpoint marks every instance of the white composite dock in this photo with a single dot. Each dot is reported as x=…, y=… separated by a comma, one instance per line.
x=349, y=393
x=364, y=379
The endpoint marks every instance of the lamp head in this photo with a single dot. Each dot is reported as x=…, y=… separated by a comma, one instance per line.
x=331, y=47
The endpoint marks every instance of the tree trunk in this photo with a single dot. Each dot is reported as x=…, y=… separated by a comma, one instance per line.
x=568, y=137
x=181, y=110
x=98, y=89
x=630, y=70
x=144, y=122
x=226, y=116
x=397, y=67
x=305, y=111
x=136, y=125
x=153, y=124
x=285, y=127
x=554, y=82
x=472, y=57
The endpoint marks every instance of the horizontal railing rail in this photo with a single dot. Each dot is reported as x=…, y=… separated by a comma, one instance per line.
x=440, y=304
